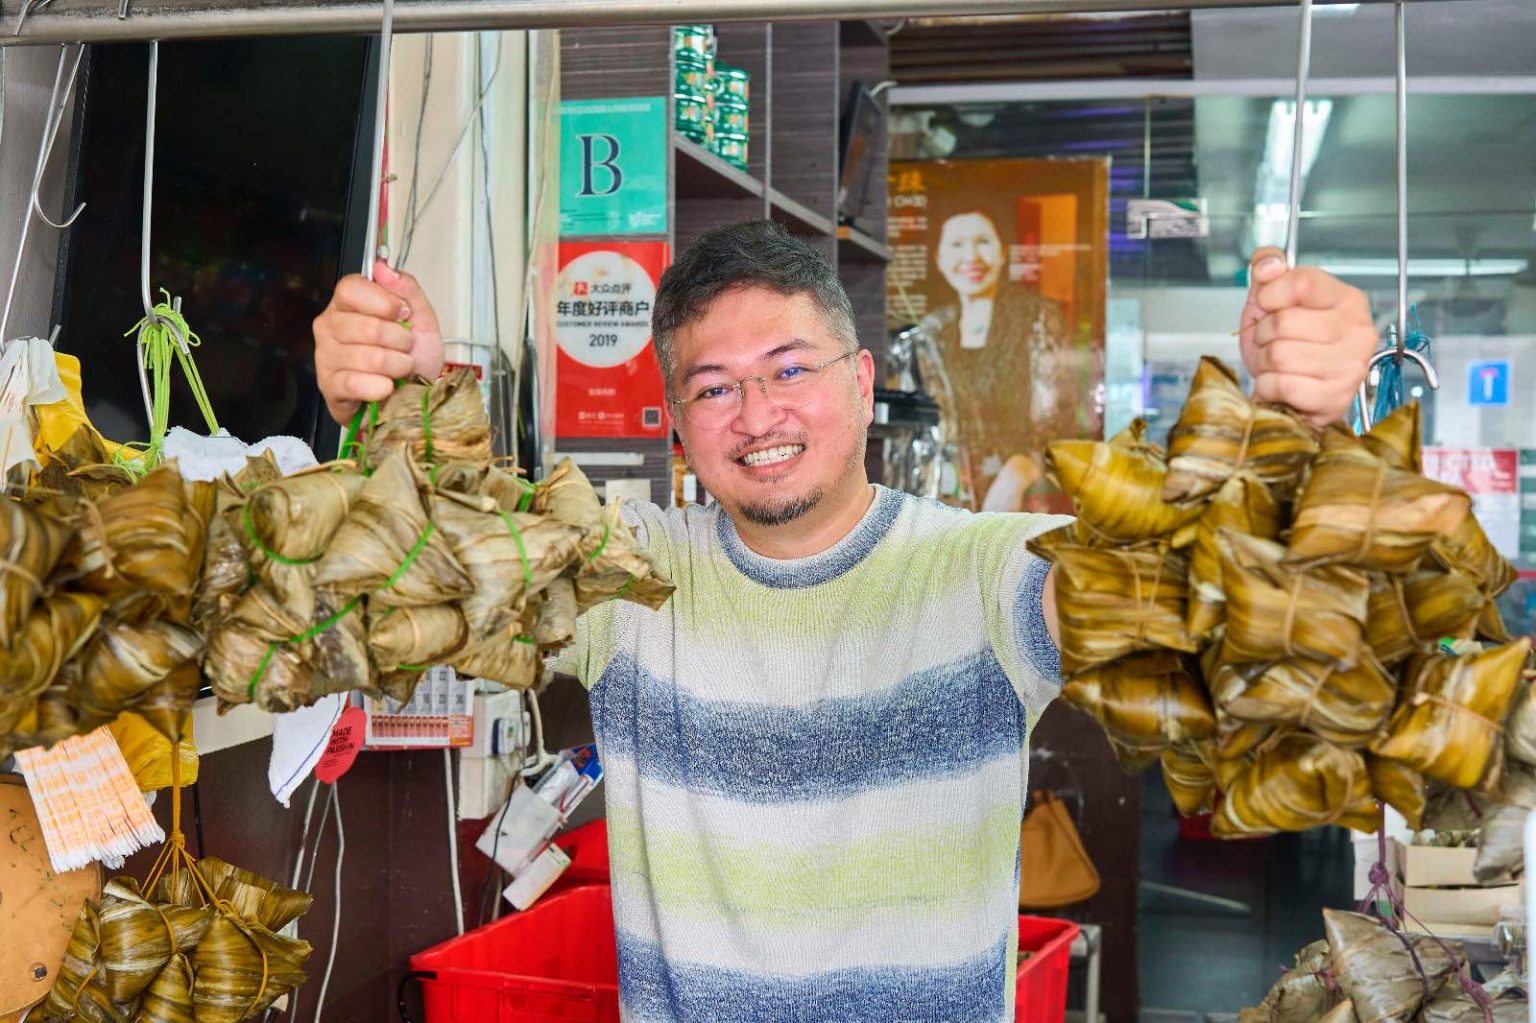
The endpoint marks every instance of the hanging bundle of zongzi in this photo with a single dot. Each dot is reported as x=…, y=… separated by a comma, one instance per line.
x=1112, y=602
x=1450, y=723
x=1356, y=509
x=1298, y=781
x=138, y=938
x=1146, y=701
x=1275, y=610
x=1221, y=434
x=1117, y=486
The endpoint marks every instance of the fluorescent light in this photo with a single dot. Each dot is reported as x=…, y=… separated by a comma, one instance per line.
x=1272, y=187
x=1336, y=10
x=1426, y=267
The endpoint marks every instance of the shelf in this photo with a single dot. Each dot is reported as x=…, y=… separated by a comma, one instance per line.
x=800, y=219
x=856, y=246
x=703, y=175
x=863, y=33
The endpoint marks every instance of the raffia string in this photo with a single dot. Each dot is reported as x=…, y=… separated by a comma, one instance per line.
x=1242, y=446
x=1369, y=533
x=1290, y=613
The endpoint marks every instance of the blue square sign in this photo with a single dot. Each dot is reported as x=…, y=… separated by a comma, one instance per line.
x=1488, y=382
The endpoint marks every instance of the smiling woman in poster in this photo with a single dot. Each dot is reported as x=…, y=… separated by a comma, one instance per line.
x=1010, y=373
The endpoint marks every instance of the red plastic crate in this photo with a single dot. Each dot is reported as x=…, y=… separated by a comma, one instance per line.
x=1040, y=990
x=556, y=961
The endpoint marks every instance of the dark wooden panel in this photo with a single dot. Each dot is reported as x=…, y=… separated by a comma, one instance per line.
x=865, y=284
x=805, y=113
x=869, y=66
x=695, y=216
x=596, y=63
x=745, y=45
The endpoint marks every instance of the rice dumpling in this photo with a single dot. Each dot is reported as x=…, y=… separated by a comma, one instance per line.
x=1356, y=509
x=256, y=899
x=250, y=659
x=1242, y=505
x=1147, y=701
x=417, y=636
x=1114, y=602
x=295, y=517
x=54, y=633
x=1345, y=706
x=169, y=996
x=1301, y=995
x=1467, y=549
x=1187, y=773
x=241, y=968
x=388, y=546
x=507, y=555
x=1453, y=1005
x=1409, y=614
x=1117, y=488
x=80, y=991
x=1220, y=433
x=1519, y=730
x=1398, y=439
x=122, y=662
x=1298, y=781
x=612, y=563
x=32, y=540
x=1275, y=610
x=555, y=627
x=146, y=537
x=1387, y=974
x=1399, y=786
x=440, y=421
x=138, y=938
x=1449, y=725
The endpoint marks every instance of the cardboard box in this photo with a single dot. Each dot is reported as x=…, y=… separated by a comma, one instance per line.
x=1481, y=932
x=1469, y=906
x=1424, y=866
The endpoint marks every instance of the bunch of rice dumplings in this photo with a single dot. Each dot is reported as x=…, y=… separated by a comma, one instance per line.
x=1365, y=971
x=205, y=947
x=98, y=577
x=418, y=551
x=1296, y=624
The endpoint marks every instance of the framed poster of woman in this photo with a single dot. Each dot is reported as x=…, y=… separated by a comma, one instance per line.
x=1003, y=263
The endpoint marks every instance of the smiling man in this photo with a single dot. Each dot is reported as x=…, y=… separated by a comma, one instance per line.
x=816, y=752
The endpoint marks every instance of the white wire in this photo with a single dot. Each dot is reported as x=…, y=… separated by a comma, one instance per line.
x=330, y=797
x=542, y=757
x=341, y=854
x=453, y=841
x=380, y=127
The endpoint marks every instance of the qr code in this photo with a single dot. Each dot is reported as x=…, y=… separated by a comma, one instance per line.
x=650, y=417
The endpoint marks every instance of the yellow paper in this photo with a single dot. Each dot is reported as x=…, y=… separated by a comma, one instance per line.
x=58, y=421
x=149, y=753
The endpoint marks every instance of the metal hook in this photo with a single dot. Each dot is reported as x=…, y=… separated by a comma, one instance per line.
x=371, y=238
x=52, y=122
x=45, y=146
x=27, y=7
x=1298, y=131
x=1431, y=378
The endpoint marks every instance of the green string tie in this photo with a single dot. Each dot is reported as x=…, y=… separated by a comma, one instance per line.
x=303, y=637
x=625, y=588
x=162, y=336
x=524, y=639
x=526, y=501
x=522, y=549
x=411, y=556
x=599, y=552
x=250, y=529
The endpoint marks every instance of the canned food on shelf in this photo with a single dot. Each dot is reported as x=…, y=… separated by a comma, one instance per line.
x=692, y=115
x=730, y=115
x=731, y=147
x=694, y=73
x=699, y=39
x=732, y=81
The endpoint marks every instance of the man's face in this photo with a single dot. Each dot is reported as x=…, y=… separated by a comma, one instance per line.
x=970, y=254
x=767, y=464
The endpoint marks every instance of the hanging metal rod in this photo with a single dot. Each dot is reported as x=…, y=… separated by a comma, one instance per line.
x=98, y=21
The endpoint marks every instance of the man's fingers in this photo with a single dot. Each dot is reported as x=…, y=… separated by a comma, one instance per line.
x=1311, y=288
x=1264, y=266
x=1296, y=323
x=404, y=287
x=357, y=294
x=350, y=385
x=1304, y=394
x=360, y=329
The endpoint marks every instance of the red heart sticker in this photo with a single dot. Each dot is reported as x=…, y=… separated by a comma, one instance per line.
x=345, y=743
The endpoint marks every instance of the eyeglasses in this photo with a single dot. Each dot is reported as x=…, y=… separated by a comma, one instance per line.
x=790, y=387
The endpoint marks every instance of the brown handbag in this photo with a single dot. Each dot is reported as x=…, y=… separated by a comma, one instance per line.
x=1054, y=868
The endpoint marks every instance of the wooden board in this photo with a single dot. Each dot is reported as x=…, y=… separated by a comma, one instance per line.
x=38, y=908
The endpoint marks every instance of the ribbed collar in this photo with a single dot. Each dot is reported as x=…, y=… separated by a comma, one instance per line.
x=841, y=557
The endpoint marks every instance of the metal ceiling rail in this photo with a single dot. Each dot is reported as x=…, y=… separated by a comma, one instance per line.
x=98, y=21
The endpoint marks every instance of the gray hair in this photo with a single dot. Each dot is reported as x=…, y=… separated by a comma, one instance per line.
x=754, y=254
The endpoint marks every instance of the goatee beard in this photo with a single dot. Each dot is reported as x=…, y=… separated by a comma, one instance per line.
x=782, y=512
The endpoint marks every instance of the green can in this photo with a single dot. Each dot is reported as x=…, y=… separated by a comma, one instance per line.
x=694, y=74
x=692, y=112
x=731, y=147
x=732, y=81
x=730, y=115
x=697, y=39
